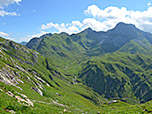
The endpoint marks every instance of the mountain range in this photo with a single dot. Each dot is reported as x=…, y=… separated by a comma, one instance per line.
x=88, y=72
x=116, y=63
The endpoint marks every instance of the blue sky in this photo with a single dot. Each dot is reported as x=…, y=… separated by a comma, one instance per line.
x=21, y=20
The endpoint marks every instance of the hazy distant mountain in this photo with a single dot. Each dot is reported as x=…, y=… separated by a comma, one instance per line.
x=23, y=43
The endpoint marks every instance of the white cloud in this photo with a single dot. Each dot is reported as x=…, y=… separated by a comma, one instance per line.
x=105, y=19
x=113, y=15
x=3, y=13
x=4, y=3
x=92, y=10
x=68, y=27
x=77, y=23
x=3, y=34
x=48, y=25
x=94, y=24
x=8, y=2
x=6, y=36
x=149, y=4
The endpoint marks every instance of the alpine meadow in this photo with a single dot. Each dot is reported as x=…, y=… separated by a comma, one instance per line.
x=99, y=65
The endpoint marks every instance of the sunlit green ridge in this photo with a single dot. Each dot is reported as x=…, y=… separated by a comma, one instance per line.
x=88, y=72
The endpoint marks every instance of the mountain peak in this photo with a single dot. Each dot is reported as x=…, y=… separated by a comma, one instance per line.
x=124, y=28
x=122, y=24
x=88, y=30
x=64, y=33
x=48, y=34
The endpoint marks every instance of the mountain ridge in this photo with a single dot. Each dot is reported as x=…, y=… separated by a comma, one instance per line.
x=117, y=37
x=121, y=40
x=88, y=72
x=31, y=83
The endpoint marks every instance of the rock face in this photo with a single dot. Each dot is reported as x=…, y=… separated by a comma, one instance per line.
x=25, y=100
x=9, y=78
x=113, y=101
x=37, y=90
x=11, y=111
x=21, y=98
x=10, y=94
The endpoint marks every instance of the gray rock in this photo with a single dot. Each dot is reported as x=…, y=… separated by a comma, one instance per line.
x=37, y=90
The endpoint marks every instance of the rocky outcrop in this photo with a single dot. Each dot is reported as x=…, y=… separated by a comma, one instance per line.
x=21, y=98
x=24, y=99
x=10, y=111
x=7, y=76
x=9, y=93
x=37, y=90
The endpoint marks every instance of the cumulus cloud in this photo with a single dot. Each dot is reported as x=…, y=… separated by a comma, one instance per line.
x=3, y=34
x=4, y=3
x=113, y=15
x=92, y=10
x=77, y=23
x=105, y=19
x=8, y=2
x=48, y=25
x=68, y=27
x=3, y=13
x=149, y=4
x=92, y=23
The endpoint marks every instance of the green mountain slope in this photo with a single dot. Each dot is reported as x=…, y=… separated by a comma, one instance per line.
x=137, y=46
x=119, y=75
x=70, y=73
x=88, y=43
x=106, y=70
x=30, y=83
x=58, y=47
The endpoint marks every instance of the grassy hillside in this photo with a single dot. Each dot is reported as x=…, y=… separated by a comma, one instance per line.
x=70, y=50
x=26, y=72
x=58, y=47
x=116, y=63
x=70, y=73
x=119, y=75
